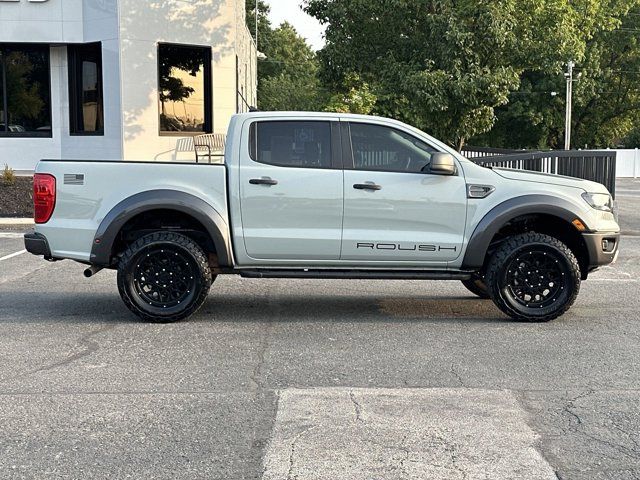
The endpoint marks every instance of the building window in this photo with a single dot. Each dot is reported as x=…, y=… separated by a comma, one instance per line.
x=25, y=91
x=85, y=89
x=184, y=89
x=292, y=144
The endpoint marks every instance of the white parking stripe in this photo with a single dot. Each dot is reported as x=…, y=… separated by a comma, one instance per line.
x=12, y=255
x=11, y=235
x=331, y=433
x=627, y=280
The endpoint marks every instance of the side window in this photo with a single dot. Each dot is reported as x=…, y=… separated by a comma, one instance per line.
x=380, y=148
x=292, y=144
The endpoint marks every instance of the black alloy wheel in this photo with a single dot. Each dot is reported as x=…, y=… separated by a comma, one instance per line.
x=533, y=277
x=536, y=278
x=164, y=277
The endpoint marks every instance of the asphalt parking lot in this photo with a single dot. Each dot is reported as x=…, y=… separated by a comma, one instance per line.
x=281, y=379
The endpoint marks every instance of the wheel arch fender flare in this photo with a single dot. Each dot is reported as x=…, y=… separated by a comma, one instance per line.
x=506, y=211
x=164, y=199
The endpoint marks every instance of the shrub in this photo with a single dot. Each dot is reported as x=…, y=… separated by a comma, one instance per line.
x=8, y=175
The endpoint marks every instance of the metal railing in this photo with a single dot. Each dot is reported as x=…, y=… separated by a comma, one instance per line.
x=595, y=165
x=212, y=144
x=479, y=152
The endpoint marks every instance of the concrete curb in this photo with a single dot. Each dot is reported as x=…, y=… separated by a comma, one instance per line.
x=22, y=222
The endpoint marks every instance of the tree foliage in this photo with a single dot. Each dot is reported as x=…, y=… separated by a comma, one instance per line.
x=355, y=97
x=172, y=88
x=606, y=101
x=23, y=95
x=288, y=78
x=447, y=65
x=264, y=25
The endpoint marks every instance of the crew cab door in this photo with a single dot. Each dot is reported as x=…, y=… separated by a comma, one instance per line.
x=291, y=190
x=395, y=210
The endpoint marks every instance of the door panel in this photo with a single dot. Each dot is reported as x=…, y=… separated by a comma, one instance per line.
x=412, y=217
x=292, y=207
x=394, y=210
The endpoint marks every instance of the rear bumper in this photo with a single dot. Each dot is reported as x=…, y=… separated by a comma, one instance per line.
x=602, y=247
x=37, y=244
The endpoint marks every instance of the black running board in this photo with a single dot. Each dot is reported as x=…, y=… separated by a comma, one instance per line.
x=356, y=274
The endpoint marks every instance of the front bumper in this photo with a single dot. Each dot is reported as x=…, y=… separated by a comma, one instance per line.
x=602, y=248
x=37, y=244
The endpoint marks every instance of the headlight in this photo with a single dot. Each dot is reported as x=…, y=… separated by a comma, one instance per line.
x=599, y=201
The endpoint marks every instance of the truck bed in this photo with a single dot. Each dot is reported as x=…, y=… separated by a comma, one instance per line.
x=88, y=190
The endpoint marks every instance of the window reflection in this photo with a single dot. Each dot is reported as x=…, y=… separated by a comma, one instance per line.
x=85, y=87
x=380, y=148
x=25, y=101
x=184, y=88
x=293, y=144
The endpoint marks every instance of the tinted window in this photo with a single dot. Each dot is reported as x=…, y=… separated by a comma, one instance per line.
x=387, y=149
x=293, y=144
x=184, y=88
x=25, y=100
x=85, y=88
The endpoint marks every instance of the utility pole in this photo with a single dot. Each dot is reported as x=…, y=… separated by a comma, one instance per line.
x=567, y=130
x=257, y=2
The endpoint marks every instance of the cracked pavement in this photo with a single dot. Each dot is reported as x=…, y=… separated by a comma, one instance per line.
x=407, y=433
x=86, y=391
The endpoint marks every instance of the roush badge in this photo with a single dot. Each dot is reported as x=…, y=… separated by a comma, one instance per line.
x=399, y=247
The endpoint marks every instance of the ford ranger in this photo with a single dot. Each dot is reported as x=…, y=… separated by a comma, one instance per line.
x=320, y=195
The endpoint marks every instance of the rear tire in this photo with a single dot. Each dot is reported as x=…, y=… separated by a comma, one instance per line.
x=533, y=277
x=477, y=286
x=164, y=277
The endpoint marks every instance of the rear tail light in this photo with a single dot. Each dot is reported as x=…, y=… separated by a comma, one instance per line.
x=44, y=196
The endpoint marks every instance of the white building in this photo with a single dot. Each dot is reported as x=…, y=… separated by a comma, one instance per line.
x=119, y=79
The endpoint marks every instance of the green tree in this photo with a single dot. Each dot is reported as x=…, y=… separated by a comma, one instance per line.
x=264, y=24
x=606, y=96
x=288, y=79
x=356, y=97
x=447, y=65
x=607, y=101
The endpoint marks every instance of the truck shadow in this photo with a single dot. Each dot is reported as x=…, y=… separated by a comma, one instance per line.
x=364, y=309
x=85, y=307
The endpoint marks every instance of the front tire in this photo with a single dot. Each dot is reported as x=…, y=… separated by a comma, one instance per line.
x=533, y=277
x=164, y=277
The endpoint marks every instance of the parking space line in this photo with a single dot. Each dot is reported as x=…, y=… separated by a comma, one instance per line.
x=7, y=257
x=624, y=280
x=11, y=235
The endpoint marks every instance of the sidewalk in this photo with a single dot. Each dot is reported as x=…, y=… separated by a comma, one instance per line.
x=16, y=221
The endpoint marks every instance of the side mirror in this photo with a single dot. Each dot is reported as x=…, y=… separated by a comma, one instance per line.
x=442, y=164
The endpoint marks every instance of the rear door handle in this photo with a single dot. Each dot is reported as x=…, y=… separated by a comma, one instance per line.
x=367, y=186
x=263, y=181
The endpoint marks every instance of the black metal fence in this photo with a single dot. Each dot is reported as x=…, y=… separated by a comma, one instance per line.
x=480, y=152
x=596, y=165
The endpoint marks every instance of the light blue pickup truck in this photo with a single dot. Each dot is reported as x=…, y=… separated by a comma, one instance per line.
x=320, y=195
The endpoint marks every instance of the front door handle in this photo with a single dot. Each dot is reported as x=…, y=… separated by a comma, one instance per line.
x=367, y=186
x=263, y=181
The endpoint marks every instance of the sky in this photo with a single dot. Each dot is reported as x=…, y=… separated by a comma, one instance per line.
x=290, y=11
